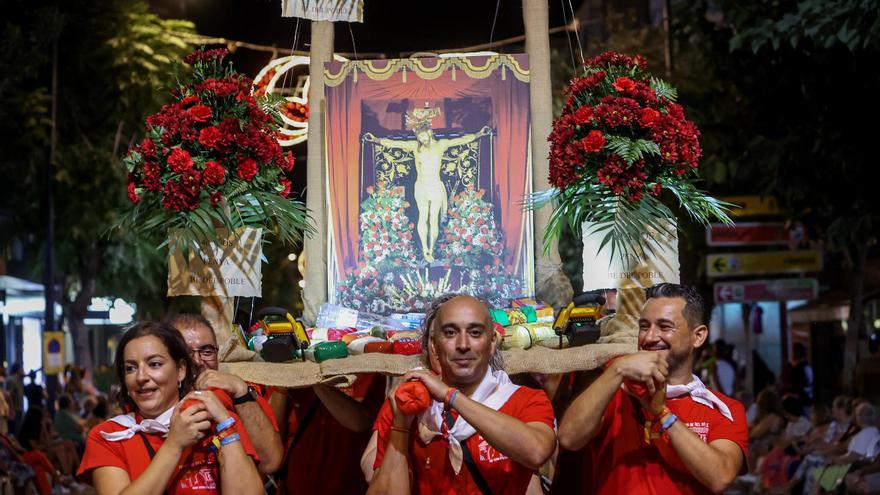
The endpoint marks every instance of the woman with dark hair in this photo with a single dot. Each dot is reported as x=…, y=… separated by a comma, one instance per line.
x=165, y=444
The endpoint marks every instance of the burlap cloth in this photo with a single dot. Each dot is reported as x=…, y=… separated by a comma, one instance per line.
x=618, y=337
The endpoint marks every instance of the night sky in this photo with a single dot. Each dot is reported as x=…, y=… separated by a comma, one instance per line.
x=390, y=27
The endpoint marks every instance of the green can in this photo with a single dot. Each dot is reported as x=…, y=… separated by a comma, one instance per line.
x=327, y=350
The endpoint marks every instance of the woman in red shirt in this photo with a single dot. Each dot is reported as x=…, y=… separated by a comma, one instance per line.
x=166, y=445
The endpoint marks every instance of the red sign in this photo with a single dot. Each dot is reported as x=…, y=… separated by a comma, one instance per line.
x=753, y=234
x=786, y=289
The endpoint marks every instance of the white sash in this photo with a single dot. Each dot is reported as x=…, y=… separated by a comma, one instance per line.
x=161, y=425
x=493, y=392
x=700, y=394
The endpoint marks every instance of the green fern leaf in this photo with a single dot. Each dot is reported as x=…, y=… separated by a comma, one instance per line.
x=631, y=150
x=663, y=89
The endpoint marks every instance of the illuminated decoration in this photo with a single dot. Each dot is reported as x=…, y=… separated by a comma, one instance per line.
x=273, y=78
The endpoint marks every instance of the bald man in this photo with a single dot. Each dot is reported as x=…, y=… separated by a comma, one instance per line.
x=481, y=433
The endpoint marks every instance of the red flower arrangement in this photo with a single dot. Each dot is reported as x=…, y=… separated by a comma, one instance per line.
x=210, y=158
x=620, y=141
x=470, y=237
x=386, y=232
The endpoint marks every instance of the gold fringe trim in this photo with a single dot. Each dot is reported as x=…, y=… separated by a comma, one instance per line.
x=428, y=68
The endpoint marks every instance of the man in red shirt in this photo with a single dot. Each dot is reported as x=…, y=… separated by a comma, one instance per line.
x=649, y=425
x=248, y=398
x=481, y=434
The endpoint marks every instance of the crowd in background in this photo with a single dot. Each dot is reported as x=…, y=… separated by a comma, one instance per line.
x=41, y=443
x=797, y=445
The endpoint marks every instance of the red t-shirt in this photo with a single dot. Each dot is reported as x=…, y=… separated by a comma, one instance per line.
x=621, y=462
x=263, y=394
x=42, y=467
x=198, y=470
x=432, y=471
x=327, y=455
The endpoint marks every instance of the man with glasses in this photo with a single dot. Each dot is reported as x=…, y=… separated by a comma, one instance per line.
x=250, y=405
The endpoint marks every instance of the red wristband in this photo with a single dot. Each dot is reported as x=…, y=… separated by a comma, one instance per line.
x=660, y=416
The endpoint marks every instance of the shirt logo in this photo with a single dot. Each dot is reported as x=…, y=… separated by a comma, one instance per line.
x=701, y=428
x=201, y=480
x=489, y=454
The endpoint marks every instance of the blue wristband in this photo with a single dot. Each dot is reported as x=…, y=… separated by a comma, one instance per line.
x=667, y=422
x=226, y=423
x=231, y=438
x=452, y=398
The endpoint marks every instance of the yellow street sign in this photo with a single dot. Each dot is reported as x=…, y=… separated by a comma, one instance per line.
x=753, y=206
x=734, y=264
x=53, y=352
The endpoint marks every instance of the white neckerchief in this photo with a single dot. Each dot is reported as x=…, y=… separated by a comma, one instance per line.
x=493, y=392
x=700, y=394
x=161, y=425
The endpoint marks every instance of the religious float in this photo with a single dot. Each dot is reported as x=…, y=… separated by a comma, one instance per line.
x=425, y=176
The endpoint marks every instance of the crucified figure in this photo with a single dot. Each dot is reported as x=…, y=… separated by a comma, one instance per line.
x=428, y=190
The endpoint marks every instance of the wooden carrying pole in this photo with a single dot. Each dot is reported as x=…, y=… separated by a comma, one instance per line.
x=315, y=290
x=550, y=283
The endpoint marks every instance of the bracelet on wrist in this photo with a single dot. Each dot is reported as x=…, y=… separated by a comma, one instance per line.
x=662, y=413
x=231, y=438
x=226, y=423
x=228, y=432
x=452, y=398
x=667, y=422
x=449, y=393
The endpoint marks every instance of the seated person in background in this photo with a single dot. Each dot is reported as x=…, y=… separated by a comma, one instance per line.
x=248, y=398
x=822, y=422
x=98, y=414
x=862, y=449
x=36, y=439
x=831, y=442
x=768, y=425
x=480, y=434
x=13, y=467
x=165, y=444
x=68, y=423
x=863, y=445
x=808, y=460
x=780, y=463
x=797, y=426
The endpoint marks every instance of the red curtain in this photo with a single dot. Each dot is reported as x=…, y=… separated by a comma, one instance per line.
x=510, y=119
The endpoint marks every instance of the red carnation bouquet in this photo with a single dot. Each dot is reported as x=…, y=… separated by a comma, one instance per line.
x=620, y=142
x=211, y=159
